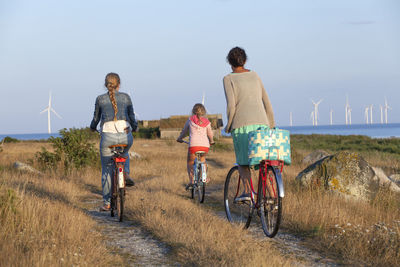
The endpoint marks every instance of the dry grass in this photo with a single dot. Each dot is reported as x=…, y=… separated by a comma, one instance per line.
x=41, y=223
x=356, y=231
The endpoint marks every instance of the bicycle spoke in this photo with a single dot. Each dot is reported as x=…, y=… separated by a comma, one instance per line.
x=237, y=212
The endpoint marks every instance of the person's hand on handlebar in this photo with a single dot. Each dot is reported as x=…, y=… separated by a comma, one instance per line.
x=179, y=140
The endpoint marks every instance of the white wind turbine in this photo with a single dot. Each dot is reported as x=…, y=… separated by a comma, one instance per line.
x=316, y=111
x=48, y=109
x=291, y=118
x=386, y=110
x=366, y=115
x=348, y=111
x=349, y=114
x=312, y=117
x=331, y=116
x=381, y=113
x=370, y=112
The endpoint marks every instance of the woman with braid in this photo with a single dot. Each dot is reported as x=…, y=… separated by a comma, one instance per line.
x=114, y=111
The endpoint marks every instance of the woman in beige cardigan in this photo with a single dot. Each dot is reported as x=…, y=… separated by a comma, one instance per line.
x=248, y=109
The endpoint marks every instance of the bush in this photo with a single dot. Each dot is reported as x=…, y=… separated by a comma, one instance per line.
x=73, y=149
x=147, y=133
x=8, y=139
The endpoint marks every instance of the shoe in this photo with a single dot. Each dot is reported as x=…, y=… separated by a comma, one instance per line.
x=189, y=187
x=129, y=181
x=243, y=197
x=106, y=207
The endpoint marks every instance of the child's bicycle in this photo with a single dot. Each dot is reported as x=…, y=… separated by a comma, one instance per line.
x=267, y=201
x=118, y=181
x=199, y=177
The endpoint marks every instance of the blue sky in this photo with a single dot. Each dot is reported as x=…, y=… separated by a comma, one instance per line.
x=169, y=52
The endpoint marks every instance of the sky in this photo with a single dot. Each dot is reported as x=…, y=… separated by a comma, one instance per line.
x=168, y=53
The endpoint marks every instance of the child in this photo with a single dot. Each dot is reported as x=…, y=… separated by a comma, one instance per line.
x=200, y=137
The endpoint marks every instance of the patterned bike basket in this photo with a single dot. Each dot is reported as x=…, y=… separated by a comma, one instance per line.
x=269, y=144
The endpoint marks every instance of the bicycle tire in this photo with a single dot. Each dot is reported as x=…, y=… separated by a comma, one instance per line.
x=270, y=204
x=200, y=186
x=113, y=194
x=120, y=203
x=237, y=213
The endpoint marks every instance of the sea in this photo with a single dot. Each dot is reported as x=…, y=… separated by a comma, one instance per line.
x=391, y=130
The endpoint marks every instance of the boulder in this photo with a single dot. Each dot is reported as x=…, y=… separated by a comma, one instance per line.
x=384, y=180
x=315, y=156
x=346, y=173
x=395, y=178
x=25, y=167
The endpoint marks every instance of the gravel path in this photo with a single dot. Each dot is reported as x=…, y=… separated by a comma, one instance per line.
x=128, y=239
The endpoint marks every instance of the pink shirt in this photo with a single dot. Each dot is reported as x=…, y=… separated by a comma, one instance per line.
x=200, y=133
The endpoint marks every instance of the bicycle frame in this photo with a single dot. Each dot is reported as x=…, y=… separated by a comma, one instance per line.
x=277, y=167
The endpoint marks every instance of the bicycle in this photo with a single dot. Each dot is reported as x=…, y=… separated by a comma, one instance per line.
x=199, y=176
x=267, y=200
x=118, y=181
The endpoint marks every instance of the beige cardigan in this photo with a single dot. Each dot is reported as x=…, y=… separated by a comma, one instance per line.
x=247, y=102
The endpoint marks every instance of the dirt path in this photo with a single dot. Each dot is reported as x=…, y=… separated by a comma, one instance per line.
x=140, y=248
x=137, y=246
x=287, y=243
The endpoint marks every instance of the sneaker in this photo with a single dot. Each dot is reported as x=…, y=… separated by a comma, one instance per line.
x=189, y=187
x=106, y=207
x=243, y=197
x=129, y=181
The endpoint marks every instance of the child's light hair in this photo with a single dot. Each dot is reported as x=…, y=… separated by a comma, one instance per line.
x=199, y=110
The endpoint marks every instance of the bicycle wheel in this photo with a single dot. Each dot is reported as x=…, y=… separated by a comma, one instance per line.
x=201, y=187
x=120, y=203
x=113, y=196
x=270, y=203
x=236, y=212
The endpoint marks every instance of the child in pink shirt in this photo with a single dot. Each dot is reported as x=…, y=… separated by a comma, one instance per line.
x=200, y=137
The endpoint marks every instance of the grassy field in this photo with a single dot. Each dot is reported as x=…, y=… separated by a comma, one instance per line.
x=43, y=217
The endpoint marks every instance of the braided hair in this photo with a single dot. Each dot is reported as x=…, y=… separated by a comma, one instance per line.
x=112, y=82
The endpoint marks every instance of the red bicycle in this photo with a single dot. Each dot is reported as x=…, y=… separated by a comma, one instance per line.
x=118, y=181
x=267, y=200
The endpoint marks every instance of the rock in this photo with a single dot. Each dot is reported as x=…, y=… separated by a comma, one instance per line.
x=134, y=155
x=383, y=180
x=25, y=167
x=395, y=178
x=346, y=173
x=315, y=156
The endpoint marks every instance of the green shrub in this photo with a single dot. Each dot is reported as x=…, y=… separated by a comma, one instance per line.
x=147, y=133
x=73, y=149
x=8, y=139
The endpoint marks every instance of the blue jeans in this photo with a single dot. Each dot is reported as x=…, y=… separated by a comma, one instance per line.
x=107, y=163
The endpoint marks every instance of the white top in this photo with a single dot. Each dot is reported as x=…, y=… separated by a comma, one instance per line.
x=115, y=126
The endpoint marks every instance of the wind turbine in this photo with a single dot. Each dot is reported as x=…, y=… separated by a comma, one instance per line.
x=331, y=116
x=348, y=111
x=386, y=110
x=316, y=110
x=202, y=100
x=349, y=114
x=370, y=112
x=291, y=118
x=48, y=109
x=312, y=117
x=366, y=115
x=381, y=114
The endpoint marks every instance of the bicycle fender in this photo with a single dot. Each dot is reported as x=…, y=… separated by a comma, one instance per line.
x=279, y=180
